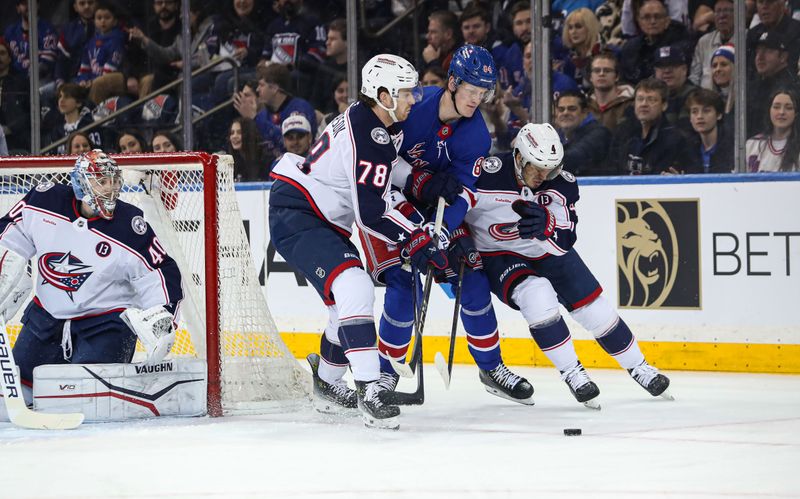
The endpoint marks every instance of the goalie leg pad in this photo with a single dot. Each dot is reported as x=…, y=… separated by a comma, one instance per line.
x=121, y=392
x=15, y=282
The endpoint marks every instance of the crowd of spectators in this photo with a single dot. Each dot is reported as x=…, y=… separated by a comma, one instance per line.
x=639, y=86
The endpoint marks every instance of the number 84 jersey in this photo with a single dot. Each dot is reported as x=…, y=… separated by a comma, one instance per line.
x=89, y=266
x=347, y=175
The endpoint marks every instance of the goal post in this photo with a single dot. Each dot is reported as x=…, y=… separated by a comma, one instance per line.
x=189, y=200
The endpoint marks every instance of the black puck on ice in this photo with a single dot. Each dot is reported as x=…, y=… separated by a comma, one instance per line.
x=572, y=432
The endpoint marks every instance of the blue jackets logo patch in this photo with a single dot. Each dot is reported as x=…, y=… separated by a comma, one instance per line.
x=63, y=271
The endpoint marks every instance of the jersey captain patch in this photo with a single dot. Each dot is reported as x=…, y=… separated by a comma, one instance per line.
x=63, y=271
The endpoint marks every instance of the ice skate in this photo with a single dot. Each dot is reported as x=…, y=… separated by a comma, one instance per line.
x=583, y=389
x=388, y=383
x=331, y=398
x=375, y=413
x=502, y=382
x=651, y=380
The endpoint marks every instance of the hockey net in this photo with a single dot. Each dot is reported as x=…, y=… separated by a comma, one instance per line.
x=189, y=200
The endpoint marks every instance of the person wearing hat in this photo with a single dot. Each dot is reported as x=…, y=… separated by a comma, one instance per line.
x=722, y=67
x=296, y=132
x=724, y=27
x=672, y=68
x=773, y=71
x=775, y=18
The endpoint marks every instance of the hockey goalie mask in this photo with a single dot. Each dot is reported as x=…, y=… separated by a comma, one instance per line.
x=538, y=154
x=97, y=181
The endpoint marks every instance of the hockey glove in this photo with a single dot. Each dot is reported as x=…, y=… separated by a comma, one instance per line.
x=155, y=330
x=427, y=186
x=462, y=249
x=536, y=221
x=421, y=249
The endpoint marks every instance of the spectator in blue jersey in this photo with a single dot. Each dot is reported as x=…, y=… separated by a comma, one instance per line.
x=443, y=37
x=565, y=7
x=296, y=38
x=278, y=104
x=72, y=40
x=14, y=103
x=710, y=143
x=244, y=144
x=16, y=35
x=332, y=69
x=657, y=30
x=508, y=55
x=72, y=114
x=102, y=56
x=585, y=140
x=237, y=34
x=648, y=144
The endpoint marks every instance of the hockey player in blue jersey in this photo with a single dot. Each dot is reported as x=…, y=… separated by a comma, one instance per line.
x=524, y=223
x=445, y=141
x=104, y=278
x=313, y=204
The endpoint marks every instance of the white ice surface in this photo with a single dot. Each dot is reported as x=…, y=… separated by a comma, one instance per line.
x=725, y=435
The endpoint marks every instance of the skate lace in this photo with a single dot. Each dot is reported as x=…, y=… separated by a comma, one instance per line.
x=503, y=376
x=644, y=373
x=388, y=381
x=340, y=388
x=576, y=376
x=371, y=393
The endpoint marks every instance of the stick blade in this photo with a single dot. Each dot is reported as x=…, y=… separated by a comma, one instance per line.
x=20, y=415
x=403, y=370
x=441, y=366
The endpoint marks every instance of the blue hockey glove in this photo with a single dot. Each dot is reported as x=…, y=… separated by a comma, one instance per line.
x=427, y=186
x=421, y=249
x=536, y=221
x=462, y=249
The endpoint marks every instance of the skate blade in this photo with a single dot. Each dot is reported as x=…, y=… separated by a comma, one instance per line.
x=667, y=395
x=324, y=406
x=593, y=404
x=381, y=424
x=504, y=395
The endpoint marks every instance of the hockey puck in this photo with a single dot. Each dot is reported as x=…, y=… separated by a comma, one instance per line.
x=572, y=432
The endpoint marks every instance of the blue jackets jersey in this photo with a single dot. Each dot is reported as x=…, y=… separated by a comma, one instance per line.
x=347, y=177
x=103, y=54
x=89, y=266
x=269, y=123
x=458, y=148
x=493, y=222
x=17, y=39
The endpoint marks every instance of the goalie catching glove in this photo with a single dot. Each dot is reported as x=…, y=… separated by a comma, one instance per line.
x=155, y=330
x=15, y=282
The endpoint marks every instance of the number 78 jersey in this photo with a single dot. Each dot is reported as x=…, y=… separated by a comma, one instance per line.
x=89, y=266
x=347, y=175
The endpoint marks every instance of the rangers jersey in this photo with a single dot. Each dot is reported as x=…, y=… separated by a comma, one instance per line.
x=494, y=223
x=90, y=266
x=346, y=177
x=458, y=148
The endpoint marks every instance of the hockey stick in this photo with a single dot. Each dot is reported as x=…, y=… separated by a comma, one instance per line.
x=446, y=368
x=407, y=370
x=18, y=412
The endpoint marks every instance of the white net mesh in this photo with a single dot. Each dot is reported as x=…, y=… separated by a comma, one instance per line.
x=257, y=371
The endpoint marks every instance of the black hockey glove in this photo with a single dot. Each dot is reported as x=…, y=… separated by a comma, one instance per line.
x=422, y=249
x=536, y=221
x=427, y=186
x=462, y=249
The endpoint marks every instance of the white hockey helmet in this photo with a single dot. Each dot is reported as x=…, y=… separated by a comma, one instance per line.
x=392, y=73
x=97, y=181
x=539, y=145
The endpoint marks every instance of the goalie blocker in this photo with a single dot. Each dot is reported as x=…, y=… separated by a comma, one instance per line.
x=119, y=392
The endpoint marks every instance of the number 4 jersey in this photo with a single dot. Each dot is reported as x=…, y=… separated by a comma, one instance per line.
x=347, y=175
x=87, y=267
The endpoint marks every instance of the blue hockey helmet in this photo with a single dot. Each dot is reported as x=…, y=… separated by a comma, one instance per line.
x=474, y=64
x=97, y=181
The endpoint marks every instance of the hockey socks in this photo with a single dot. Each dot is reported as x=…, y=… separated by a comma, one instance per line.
x=480, y=323
x=333, y=363
x=397, y=320
x=619, y=342
x=555, y=342
x=357, y=335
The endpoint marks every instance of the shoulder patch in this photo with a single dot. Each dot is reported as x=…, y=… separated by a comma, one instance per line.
x=44, y=186
x=492, y=164
x=138, y=225
x=568, y=176
x=380, y=135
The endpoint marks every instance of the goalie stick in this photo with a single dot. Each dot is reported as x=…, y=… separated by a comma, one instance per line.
x=446, y=368
x=18, y=411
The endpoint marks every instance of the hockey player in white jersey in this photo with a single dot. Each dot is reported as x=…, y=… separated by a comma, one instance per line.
x=103, y=277
x=523, y=222
x=313, y=204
